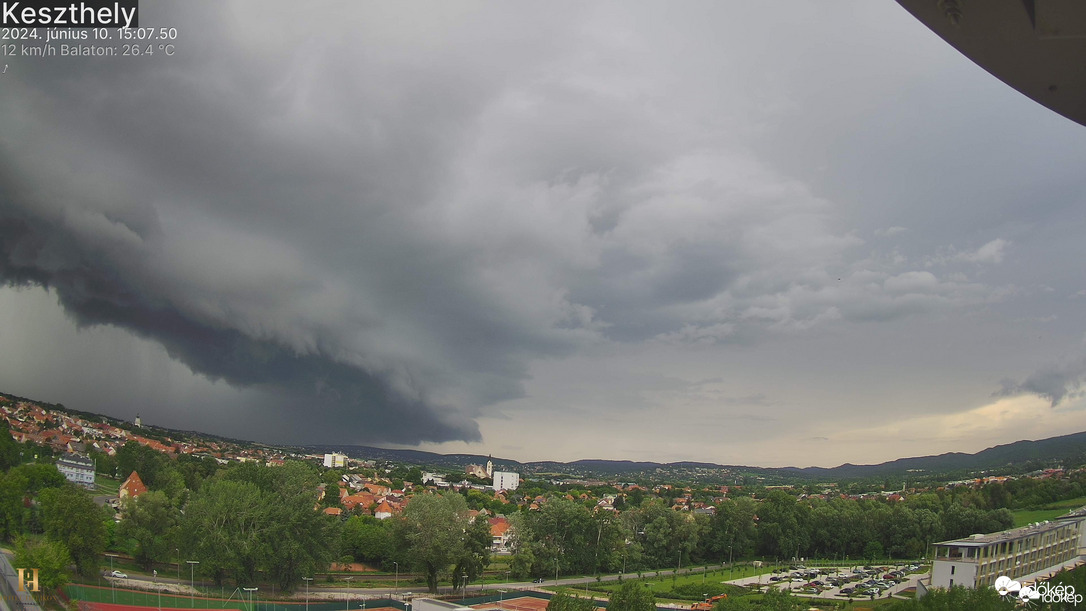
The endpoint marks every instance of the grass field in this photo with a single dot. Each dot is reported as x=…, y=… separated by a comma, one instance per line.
x=106, y=485
x=1027, y=516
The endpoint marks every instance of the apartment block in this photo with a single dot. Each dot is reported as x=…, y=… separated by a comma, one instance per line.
x=1020, y=553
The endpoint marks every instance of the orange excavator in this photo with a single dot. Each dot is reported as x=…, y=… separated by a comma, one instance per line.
x=707, y=604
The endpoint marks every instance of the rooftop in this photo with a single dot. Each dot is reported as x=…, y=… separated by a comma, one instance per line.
x=1075, y=513
x=1004, y=535
x=76, y=460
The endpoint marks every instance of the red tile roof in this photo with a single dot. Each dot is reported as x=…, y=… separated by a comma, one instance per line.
x=132, y=487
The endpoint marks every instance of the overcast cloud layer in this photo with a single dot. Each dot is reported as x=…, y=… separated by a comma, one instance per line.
x=708, y=231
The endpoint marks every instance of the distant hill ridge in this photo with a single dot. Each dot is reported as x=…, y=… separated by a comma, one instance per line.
x=1069, y=449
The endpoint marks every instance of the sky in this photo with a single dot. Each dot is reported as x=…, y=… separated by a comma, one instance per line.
x=796, y=233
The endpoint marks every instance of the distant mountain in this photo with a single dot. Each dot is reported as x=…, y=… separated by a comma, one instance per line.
x=1069, y=450
x=1011, y=458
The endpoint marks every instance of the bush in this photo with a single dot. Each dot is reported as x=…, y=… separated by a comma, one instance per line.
x=565, y=602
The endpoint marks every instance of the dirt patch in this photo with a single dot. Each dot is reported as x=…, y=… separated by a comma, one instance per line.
x=353, y=567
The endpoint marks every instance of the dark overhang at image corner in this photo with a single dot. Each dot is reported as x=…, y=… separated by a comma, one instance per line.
x=1037, y=47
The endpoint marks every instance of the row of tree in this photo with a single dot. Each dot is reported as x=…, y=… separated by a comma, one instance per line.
x=566, y=537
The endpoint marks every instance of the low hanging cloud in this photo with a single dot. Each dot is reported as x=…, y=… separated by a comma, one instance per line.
x=1056, y=382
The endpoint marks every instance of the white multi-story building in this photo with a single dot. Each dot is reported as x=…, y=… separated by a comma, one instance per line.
x=335, y=460
x=1021, y=554
x=506, y=480
x=77, y=469
x=1078, y=515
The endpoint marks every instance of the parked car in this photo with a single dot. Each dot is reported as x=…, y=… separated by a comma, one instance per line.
x=118, y=575
x=847, y=591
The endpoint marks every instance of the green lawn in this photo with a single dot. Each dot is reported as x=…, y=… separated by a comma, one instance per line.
x=1023, y=517
x=106, y=485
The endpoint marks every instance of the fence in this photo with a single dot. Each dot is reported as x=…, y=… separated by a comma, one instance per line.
x=98, y=598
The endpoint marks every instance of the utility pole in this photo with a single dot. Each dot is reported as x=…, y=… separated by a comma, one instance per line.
x=192, y=581
x=250, y=591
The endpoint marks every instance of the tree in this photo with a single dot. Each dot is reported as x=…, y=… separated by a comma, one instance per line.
x=773, y=600
x=475, y=555
x=222, y=528
x=873, y=550
x=430, y=533
x=565, y=602
x=9, y=448
x=956, y=598
x=13, y=513
x=332, y=479
x=196, y=469
x=632, y=596
x=104, y=464
x=297, y=541
x=134, y=456
x=562, y=535
x=49, y=557
x=150, y=526
x=367, y=539
x=40, y=476
x=663, y=534
x=70, y=516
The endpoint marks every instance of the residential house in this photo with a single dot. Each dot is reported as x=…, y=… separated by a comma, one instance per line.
x=132, y=487
x=77, y=469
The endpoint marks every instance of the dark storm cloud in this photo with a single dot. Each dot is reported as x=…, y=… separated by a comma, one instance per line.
x=94, y=294
x=383, y=217
x=1056, y=382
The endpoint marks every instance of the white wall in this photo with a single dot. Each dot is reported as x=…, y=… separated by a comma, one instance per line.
x=963, y=573
x=504, y=480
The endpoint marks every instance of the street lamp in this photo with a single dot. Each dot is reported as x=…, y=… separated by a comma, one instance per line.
x=463, y=585
x=501, y=598
x=155, y=574
x=112, y=583
x=178, y=552
x=192, y=581
x=250, y=591
x=397, y=586
x=347, y=594
x=307, y=580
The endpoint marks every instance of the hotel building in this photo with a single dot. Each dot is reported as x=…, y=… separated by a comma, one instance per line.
x=1021, y=554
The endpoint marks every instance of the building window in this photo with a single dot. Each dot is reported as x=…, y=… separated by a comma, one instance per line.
x=952, y=567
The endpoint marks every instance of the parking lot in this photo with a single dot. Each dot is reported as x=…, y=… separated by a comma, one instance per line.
x=838, y=583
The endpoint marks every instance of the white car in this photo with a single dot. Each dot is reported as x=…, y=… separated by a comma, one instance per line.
x=118, y=575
